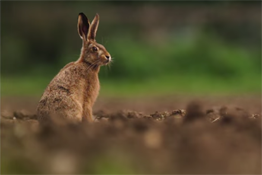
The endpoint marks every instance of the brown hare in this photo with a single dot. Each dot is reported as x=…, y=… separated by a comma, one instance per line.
x=72, y=93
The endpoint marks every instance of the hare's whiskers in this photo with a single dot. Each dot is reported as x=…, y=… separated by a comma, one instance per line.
x=109, y=66
x=95, y=64
x=91, y=66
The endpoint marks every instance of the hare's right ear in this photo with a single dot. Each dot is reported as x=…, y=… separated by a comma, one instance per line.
x=83, y=26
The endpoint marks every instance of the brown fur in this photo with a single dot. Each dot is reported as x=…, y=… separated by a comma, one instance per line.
x=72, y=93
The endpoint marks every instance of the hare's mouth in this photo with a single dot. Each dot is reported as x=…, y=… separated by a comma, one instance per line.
x=106, y=63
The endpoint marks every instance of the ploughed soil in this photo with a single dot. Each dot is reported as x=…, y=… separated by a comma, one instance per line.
x=165, y=135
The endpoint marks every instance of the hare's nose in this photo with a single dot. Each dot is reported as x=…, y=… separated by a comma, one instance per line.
x=108, y=57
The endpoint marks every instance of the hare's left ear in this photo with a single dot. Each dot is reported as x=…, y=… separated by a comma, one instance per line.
x=83, y=26
x=93, y=28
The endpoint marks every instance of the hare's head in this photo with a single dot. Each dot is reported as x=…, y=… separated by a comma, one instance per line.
x=92, y=52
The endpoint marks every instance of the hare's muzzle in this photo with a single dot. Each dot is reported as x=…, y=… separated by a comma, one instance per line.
x=108, y=58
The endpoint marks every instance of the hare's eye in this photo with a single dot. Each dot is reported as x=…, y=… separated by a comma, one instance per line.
x=94, y=49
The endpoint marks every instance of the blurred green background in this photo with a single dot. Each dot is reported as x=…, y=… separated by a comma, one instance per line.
x=157, y=47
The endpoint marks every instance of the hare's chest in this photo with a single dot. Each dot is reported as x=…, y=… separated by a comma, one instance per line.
x=95, y=91
x=91, y=90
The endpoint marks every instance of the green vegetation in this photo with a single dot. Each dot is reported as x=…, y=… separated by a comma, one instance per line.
x=200, y=64
x=177, y=51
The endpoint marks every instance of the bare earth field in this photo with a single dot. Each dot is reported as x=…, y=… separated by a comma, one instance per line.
x=161, y=135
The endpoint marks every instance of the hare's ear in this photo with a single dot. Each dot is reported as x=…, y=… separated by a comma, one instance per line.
x=83, y=26
x=93, y=28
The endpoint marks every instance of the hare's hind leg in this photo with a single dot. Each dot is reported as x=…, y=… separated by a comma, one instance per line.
x=67, y=110
x=72, y=111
